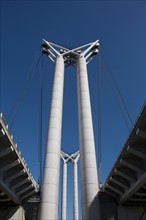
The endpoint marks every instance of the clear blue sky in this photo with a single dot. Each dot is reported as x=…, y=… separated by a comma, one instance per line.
x=120, y=27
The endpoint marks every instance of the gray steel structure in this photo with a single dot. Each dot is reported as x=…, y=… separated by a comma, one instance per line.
x=78, y=57
x=127, y=180
x=17, y=184
x=123, y=195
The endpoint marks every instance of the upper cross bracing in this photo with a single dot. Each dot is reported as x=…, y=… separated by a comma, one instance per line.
x=70, y=56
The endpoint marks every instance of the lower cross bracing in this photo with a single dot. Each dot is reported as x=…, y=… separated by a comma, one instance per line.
x=16, y=182
x=127, y=180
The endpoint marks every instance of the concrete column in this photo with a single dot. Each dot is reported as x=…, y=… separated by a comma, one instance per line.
x=88, y=168
x=64, y=192
x=50, y=185
x=75, y=192
x=19, y=214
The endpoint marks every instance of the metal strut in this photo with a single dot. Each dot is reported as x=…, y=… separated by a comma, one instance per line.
x=70, y=56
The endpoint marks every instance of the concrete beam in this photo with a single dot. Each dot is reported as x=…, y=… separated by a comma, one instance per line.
x=142, y=194
x=115, y=189
x=13, y=175
x=136, y=152
x=111, y=193
x=5, y=200
x=2, y=194
x=23, y=190
x=27, y=194
x=20, y=183
x=138, y=200
x=2, y=132
x=135, y=187
x=9, y=192
x=6, y=151
x=141, y=133
x=128, y=176
x=144, y=187
x=120, y=182
x=10, y=165
x=131, y=165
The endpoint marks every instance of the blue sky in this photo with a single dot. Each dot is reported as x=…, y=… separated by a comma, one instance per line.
x=120, y=28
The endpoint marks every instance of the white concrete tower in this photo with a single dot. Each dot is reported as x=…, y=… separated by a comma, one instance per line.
x=50, y=184
x=65, y=159
x=78, y=57
x=75, y=159
x=89, y=179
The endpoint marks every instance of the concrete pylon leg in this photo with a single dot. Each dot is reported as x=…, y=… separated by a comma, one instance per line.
x=89, y=181
x=50, y=185
x=75, y=192
x=64, y=192
x=19, y=214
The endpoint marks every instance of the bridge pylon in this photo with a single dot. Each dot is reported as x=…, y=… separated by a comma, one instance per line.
x=79, y=58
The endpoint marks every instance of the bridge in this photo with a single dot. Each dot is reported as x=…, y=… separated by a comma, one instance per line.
x=125, y=185
x=124, y=191
x=17, y=184
x=127, y=180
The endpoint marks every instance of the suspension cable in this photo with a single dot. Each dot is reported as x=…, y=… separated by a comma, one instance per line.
x=21, y=97
x=122, y=100
x=29, y=75
x=118, y=96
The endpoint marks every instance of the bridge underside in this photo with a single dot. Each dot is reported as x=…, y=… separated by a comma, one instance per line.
x=123, y=194
x=127, y=180
x=124, y=191
x=16, y=182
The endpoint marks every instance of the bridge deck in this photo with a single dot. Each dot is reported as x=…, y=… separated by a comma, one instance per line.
x=16, y=182
x=127, y=180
